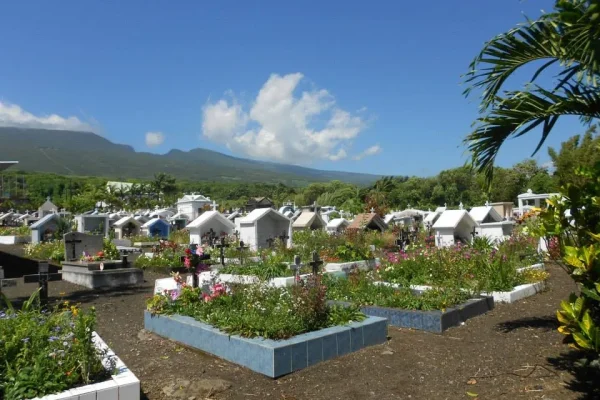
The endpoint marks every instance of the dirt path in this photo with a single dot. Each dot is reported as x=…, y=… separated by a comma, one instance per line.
x=513, y=352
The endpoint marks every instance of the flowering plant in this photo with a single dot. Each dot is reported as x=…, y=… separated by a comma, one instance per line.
x=99, y=256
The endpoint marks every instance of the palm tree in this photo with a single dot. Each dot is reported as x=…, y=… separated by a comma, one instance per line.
x=568, y=38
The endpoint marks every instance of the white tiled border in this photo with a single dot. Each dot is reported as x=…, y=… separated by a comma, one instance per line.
x=518, y=293
x=14, y=239
x=122, y=386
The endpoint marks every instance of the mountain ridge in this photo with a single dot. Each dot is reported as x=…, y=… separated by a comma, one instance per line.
x=88, y=154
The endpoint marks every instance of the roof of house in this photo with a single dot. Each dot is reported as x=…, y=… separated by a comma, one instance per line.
x=337, y=222
x=44, y=220
x=154, y=221
x=480, y=213
x=451, y=219
x=207, y=216
x=260, y=213
x=433, y=215
x=361, y=221
x=125, y=220
x=306, y=220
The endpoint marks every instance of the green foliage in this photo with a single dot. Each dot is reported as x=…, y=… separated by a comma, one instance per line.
x=571, y=227
x=163, y=261
x=181, y=236
x=360, y=289
x=110, y=250
x=47, y=352
x=257, y=310
x=15, y=230
x=565, y=38
x=53, y=251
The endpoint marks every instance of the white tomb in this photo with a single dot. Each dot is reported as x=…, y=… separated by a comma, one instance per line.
x=192, y=205
x=491, y=223
x=453, y=226
x=308, y=220
x=127, y=227
x=47, y=208
x=529, y=200
x=96, y=224
x=263, y=224
x=337, y=225
x=433, y=216
x=214, y=220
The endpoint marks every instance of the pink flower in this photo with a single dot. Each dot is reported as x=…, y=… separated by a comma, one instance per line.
x=175, y=294
x=199, y=251
x=187, y=262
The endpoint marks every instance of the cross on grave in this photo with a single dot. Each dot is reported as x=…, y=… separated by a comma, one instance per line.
x=73, y=243
x=372, y=210
x=6, y=282
x=42, y=277
x=211, y=237
x=461, y=206
x=296, y=267
x=439, y=239
x=283, y=238
x=241, y=248
x=221, y=246
x=315, y=263
x=214, y=205
x=487, y=203
x=314, y=205
x=270, y=242
x=473, y=233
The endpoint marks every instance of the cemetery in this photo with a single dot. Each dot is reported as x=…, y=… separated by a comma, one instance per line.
x=256, y=279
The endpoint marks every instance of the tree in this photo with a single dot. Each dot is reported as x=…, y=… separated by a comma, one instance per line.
x=164, y=187
x=578, y=151
x=568, y=39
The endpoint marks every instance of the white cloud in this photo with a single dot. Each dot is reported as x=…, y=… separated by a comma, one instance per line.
x=13, y=115
x=283, y=125
x=371, y=151
x=154, y=139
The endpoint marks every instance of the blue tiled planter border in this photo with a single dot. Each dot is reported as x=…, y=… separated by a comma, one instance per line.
x=432, y=321
x=273, y=358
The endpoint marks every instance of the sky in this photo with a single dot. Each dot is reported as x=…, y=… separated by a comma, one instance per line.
x=358, y=86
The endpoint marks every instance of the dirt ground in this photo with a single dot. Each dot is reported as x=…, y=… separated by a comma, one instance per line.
x=513, y=352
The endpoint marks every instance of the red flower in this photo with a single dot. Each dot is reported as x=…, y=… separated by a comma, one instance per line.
x=188, y=251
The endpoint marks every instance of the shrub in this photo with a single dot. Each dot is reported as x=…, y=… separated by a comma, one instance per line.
x=15, y=230
x=53, y=251
x=43, y=352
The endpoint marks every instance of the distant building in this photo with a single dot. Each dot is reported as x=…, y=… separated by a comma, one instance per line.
x=259, y=202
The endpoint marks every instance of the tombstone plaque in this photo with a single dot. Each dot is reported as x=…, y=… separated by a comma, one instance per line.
x=76, y=243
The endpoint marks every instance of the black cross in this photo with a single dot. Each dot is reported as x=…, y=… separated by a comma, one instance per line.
x=241, y=248
x=42, y=277
x=73, y=241
x=221, y=248
x=474, y=233
x=283, y=238
x=296, y=267
x=315, y=263
x=270, y=242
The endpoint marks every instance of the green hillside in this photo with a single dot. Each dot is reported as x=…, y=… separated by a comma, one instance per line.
x=87, y=154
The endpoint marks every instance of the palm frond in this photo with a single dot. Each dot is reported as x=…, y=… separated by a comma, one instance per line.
x=521, y=112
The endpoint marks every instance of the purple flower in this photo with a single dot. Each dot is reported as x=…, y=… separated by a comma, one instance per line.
x=175, y=294
x=52, y=338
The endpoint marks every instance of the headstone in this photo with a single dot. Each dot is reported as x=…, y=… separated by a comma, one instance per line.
x=168, y=284
x=76, y=243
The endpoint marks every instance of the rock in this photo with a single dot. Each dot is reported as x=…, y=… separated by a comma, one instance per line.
x=144, y=335
x=387, y=352
x=198, y=389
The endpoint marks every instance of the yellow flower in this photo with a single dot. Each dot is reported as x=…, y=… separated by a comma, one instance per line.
x=74, y=310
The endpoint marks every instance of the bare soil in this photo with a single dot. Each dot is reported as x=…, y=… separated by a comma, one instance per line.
x=512, y=352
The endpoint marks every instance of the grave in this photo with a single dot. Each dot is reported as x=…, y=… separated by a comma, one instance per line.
x=156, y=228
x=95, y=274
x=44, y=229
x=263, y=225
x=47, y=208
x=454, y=226
x=337, y=225
x=210, y=220
x=127, y=227
x=192, y=205
x=95, y=224
x=368, y=221
x=308, y=220
x=491, y=223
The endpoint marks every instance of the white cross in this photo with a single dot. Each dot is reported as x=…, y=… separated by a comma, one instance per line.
x=487, y=203
x=214, y=205
x=460, y=206
x=372, y=210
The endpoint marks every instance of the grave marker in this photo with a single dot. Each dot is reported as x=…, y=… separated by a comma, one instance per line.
x=241, y=248
x=296, y=267
x=76, y=243
x=42, y=277
x=315, y=263
x=221, y=248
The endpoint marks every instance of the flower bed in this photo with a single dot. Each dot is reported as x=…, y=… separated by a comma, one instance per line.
x=57, y=353
x=432, y=310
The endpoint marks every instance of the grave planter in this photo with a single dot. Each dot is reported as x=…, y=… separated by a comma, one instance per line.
x=122, y=385
x=363, y=265
x=273, y=358
x=14, y=239
x=432, y=321
x=90, y=275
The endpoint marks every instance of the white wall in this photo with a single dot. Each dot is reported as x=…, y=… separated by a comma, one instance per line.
x=248, y=235
x=447, y=237
x=217, y=226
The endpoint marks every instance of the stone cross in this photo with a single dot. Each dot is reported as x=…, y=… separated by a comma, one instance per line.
x=241, y=248
x=315, y=206
x=214, y=205
x=296, y=267
x=42, y=277
x=221, y=246
x=315, y=263
x=487, y=203
x=284, y=237
x=73, y=243
x=270, y=242
x=460, y=206
x=372, y=210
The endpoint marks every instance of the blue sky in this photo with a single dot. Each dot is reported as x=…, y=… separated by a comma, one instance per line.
x=346, y=85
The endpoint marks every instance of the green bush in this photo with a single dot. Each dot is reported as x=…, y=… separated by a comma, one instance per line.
x=15, y=230
x=53, y=251
x=42, y=352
